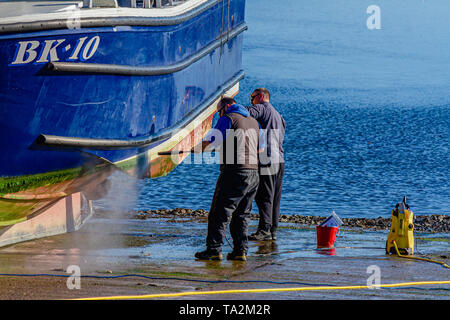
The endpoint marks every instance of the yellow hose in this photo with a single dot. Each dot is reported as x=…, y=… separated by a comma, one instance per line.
x=198, y=293
x=323, y=288
x=418, y=258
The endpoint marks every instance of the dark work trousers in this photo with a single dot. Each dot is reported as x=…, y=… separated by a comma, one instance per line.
x=233, y=197
x=268, y=199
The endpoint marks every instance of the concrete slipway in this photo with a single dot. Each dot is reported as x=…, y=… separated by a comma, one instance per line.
x=162, y=249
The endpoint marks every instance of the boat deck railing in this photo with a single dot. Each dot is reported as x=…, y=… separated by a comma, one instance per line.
x=131, y=3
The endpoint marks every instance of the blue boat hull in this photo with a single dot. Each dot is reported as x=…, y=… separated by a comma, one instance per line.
x=140, y=81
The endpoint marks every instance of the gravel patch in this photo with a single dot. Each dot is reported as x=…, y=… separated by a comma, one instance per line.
x=436, y=223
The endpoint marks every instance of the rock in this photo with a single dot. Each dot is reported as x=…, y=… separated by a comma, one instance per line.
x=429, y=223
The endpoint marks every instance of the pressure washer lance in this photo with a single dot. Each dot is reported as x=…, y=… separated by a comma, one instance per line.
x=169, y=153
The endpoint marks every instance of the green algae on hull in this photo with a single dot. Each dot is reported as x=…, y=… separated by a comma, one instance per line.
x=27, y=182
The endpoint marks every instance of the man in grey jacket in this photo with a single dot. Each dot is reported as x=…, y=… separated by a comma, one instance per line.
x=239, y=138
x=271, y=164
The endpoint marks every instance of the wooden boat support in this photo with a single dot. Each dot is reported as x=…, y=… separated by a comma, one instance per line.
x=64, y=215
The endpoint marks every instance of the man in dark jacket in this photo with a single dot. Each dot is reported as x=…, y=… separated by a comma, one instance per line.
x=271, y=169
x=238, y=135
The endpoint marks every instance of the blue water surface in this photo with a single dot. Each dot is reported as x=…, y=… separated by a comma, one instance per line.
x=367, y=111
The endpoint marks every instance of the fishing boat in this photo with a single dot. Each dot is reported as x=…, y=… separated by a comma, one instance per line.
x=90, y=87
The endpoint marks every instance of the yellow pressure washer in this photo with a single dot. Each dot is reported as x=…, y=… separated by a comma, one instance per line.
x=402, y=227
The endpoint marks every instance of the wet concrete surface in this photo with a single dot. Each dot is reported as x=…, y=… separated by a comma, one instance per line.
x=163, y=249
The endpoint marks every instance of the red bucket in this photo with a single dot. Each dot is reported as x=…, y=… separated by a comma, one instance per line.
x=326, y=236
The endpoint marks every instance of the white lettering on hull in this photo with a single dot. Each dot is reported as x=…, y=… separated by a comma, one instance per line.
x=53, y=50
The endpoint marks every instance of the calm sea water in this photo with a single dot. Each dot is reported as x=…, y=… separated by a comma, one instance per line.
x=367, y=111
